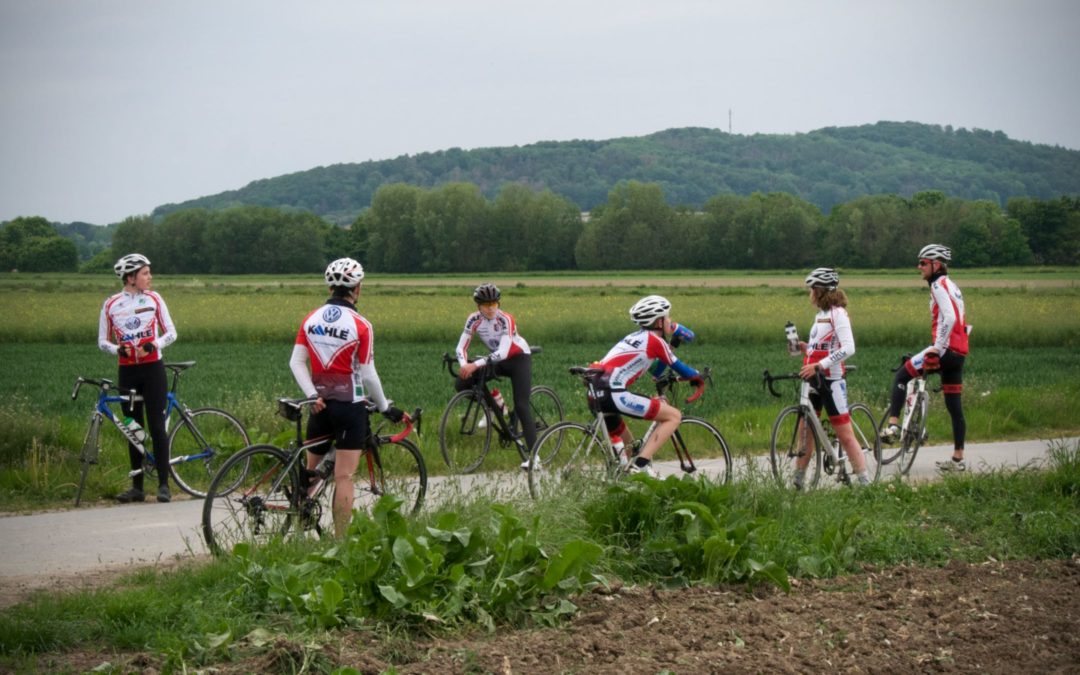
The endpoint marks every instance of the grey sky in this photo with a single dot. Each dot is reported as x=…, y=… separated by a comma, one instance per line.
x=113, y=107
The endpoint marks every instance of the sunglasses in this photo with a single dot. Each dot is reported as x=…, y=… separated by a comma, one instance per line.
x=924, y=263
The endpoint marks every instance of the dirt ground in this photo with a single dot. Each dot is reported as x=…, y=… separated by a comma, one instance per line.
x=992, y=617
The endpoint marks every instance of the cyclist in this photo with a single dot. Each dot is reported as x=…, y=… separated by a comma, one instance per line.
x=337, y=341
x=829, y=344
x=135, y=326
x=949, y=332
x=624, y=363
x=510, y=355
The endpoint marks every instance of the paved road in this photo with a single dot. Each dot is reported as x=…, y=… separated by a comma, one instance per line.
x=39, y=549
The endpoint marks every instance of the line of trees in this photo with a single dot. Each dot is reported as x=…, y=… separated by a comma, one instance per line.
x=454, y=228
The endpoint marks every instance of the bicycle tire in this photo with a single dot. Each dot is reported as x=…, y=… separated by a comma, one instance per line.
x=465, y=432
x=866, y=433
x=792, y=436
x=913, y=438
x=88, y=454
x=579, y=461
x=701, y=439
x=393, y=468
x=890, y=455
x=259, y=506
x=547, y=408
x=208, y=436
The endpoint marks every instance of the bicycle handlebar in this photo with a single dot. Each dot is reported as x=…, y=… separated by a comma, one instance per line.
x=768, y=379
x=670, y=378
x=410, y=421
x=450, y=361
x=104, y=385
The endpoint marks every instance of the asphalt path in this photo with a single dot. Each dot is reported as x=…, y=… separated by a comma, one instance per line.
x=42, y=549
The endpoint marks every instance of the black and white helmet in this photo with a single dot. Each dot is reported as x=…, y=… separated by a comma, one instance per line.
x=647, y=310
x=486, y=293
x=132, y=262
x=935, y=252
x=344, y=272
x=823, y=277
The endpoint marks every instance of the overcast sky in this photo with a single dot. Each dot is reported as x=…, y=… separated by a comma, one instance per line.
x=113, y=107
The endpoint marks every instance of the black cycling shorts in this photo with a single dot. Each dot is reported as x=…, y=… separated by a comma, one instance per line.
x=343, y=422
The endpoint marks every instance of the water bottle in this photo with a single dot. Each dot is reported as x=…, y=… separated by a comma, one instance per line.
x=792, y=338
x=135, y=429
x=325, y=468
x=500, y=401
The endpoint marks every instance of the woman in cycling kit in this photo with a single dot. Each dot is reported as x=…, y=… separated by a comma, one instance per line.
x=510, y=355
x=338, y=342
x=135, y=326
x=949, y=331
x=627, y=361
x=829, y=344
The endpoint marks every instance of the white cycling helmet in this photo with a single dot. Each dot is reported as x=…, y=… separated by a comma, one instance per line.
x=935, y=252
x=823, y=277
x=647, y=310
x=344, y=272
x=132, y=262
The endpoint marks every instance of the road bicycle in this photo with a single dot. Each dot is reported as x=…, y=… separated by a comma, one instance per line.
x=798, y=430
x=199, y=443
x=265, y=492
x=913, y=432
x=473, y=417
x=575, y=456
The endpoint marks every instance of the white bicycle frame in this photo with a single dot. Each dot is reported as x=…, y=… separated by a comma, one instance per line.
x=821, y=437
x=916, y=392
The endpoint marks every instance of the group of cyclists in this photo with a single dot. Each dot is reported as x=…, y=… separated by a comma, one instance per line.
x=332, y=361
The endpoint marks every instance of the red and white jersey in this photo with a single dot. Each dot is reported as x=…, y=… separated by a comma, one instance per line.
x=134, y=319
x=339, y=345
x=948, y=328
x=632, y=356
x=830, y=342
x=499, y=335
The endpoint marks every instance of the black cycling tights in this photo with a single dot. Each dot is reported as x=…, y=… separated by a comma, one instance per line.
x=150, y=380
x=952, y=386
x=519, y=370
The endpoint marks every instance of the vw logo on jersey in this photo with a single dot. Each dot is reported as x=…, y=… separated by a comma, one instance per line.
x=331, y=314
x=132, y=323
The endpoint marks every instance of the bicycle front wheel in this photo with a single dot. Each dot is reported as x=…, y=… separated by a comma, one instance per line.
x=91, y=448
x=465, y=432
x=866, y=433
x=793, y=444
x=393, y=468
x=200, y=445
x=695, y=437
x=569, y=457
x=913, y=435
x=253, y=498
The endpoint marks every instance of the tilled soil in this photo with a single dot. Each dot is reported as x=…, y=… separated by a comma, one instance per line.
x=993, y=617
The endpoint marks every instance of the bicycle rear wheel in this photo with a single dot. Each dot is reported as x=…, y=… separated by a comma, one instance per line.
x=200, y=445
x=547, y=409
x=253, y=498
x=914, y=435
x=792, y=438
x=393, y=468
x=697, y=438
x=866, y=433
x=465, y=432
x=569, y=457
x=88, y=455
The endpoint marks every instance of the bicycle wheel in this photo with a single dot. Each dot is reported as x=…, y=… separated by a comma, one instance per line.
x=915, y=434
x=88, y=454
x=572, y=457
x=547, y=409
x=889, y=453
x=697, y=438
x=393, y=468
x=792, y=438
x=465, y=432
x=866, y=433
x=199, y=446
x=257, y=502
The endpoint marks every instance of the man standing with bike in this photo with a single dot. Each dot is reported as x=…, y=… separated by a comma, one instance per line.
x=338, y=342
x=510, y=356
x=627, y=361
x=135, y=326
x=949, y=332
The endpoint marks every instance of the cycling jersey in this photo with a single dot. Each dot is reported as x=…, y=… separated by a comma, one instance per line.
x=339, y=344
x=948, y=328
x=133, y=320
x=499, y=334
x=631, y=356
x=830, y=342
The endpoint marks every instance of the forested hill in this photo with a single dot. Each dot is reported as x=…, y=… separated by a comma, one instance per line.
x=826, y=167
